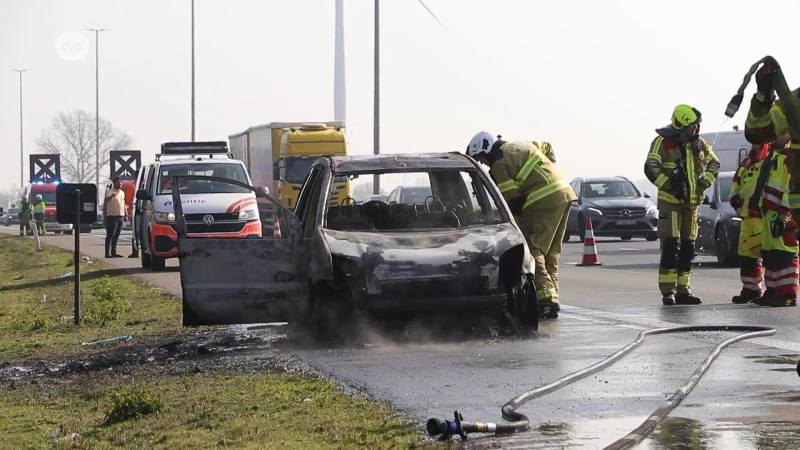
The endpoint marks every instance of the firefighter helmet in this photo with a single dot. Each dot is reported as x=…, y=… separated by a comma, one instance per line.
x=684, y=116
x=481, y=144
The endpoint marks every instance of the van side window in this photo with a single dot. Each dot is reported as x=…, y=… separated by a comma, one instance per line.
x=149, y=185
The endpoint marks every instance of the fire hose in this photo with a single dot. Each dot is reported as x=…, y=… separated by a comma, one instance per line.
x=518, y=422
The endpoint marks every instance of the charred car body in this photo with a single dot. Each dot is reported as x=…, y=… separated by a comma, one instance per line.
x=460, y=249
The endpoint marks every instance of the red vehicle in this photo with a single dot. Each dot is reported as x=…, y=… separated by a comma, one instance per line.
x=48, y=192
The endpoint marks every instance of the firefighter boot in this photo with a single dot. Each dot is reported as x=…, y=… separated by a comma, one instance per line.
x=687, y=298
x=746, y=296
x=781, y=301
x=668, y=299
x=548, y=309
x=764, y=299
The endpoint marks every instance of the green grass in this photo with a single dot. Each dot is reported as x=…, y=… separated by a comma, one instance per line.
x=111, y=304
x=145, y=408
x=258, y=411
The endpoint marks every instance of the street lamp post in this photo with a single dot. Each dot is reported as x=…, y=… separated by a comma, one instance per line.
x=192, y=70
x=21, y=143
x=376, y=99
x=97, y=103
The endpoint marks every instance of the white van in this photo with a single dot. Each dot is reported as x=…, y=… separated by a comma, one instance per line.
x=211, y=208
x=730, y=147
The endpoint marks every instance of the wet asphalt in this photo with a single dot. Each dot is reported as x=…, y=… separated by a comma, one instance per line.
x=747, y=400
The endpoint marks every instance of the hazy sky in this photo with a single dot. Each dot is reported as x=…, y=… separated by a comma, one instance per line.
x=593, y=78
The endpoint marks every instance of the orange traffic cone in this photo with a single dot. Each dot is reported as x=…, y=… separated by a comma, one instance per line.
x=589, y=247
x=276, y=229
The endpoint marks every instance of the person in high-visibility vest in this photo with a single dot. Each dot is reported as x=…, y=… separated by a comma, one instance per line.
x=39, y=208
x=539, y=196
x=743, y=186
x=682, y=166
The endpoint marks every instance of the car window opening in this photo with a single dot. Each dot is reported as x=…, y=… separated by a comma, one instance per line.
x=419, y=200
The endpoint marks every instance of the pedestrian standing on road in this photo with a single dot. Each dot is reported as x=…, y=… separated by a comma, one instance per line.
x=682, y=166
x=24, y=214
x=115, y=212
x=538, y=196
x=39, y=209
x=742, y=188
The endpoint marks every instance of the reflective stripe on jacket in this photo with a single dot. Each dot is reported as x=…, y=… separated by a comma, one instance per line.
x=775, y=196
x=524, y=170
x=664, y=158
x=744, y=185
x=766, y=122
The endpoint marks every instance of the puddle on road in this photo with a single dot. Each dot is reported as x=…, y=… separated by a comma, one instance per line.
x=672, y=434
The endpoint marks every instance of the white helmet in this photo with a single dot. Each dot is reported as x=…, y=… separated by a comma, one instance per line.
x=38, y=196
x=481, y=143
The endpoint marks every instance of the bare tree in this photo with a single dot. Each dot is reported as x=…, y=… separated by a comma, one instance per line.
x=72, y=135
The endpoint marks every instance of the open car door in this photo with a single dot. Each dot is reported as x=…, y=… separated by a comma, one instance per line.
x=228, y=281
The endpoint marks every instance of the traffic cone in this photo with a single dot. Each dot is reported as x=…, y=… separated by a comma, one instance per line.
x=589, y=247
x=276, y=228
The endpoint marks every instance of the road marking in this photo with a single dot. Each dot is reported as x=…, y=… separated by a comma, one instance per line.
x=630, y=319
x=628, y=249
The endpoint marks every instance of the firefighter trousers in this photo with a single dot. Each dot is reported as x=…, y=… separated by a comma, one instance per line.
x=751, y=271
x=779, y=255
x=677, y=226
x=544, y=230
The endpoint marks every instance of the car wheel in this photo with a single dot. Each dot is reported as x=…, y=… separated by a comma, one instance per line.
x=157, y=264
x=68, y=232
x=651, y=237
x=581, y=228
x=335, y=316
x=530, y=318
x=57, y=232
x=626, y=237
x=725, y=255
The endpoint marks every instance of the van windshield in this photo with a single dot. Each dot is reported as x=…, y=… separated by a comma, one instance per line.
x=230, y=171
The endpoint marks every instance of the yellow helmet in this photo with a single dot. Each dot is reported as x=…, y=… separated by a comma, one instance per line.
x=685, y=115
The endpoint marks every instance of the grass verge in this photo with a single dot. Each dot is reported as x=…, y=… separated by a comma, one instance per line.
x=259, y=411
x=37, y=298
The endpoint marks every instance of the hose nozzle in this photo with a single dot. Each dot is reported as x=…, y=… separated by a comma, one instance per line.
x=733, y=105
x=446, y=428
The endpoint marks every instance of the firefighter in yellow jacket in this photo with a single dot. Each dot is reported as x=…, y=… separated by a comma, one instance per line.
x=780, y=200
x=537, y=193
x=751, y=271
x=682, y=166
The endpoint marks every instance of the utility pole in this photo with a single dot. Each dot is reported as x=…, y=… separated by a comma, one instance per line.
x=376, y=120
x=97, y=104
x=21, y=144
x=192, y=70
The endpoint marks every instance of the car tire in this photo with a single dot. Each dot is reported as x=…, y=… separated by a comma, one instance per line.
x=626, y=237
x=726, y=256
x=530, y=317
x=581, y=228
x=57, y=232
x=157, y=264
x=651, y=237
x=68, y=232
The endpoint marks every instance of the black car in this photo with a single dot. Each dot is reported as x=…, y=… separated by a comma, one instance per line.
x=616, y=207
x=717, y=222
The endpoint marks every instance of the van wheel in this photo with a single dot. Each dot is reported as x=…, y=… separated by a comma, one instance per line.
x=145, y=260
x=67, y=232
x=157, y=264
x=651, y=237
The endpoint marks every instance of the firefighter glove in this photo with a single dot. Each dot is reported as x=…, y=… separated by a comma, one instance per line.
x=765, y=83
x=703, y=183
x=778, y=227
x=737, y=202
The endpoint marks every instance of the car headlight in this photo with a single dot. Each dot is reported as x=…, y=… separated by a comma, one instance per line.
x=652, y=211
x=595, y=211
x=248, y=215
x=163, y=217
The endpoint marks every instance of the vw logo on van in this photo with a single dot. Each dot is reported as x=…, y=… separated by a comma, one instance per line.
x=208, y=219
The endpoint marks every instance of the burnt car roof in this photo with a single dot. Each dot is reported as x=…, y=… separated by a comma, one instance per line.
x=401, y=162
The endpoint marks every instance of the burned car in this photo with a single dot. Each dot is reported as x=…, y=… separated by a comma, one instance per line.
x=456, y=249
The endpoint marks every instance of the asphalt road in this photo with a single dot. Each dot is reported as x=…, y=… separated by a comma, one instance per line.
x=747, y=400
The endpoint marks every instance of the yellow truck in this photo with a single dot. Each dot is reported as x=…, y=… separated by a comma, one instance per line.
x=299, y=148
x=262, y=150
